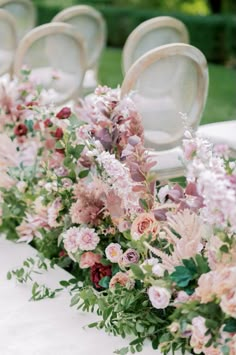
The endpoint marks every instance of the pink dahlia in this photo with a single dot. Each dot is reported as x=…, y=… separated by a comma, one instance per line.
x=88, y=239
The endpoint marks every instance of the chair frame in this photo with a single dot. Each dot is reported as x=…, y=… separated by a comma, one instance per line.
x=33, y=14
x=10, y=19
x=77, y=10
x=42, y=31
x=143, y=29
x=160, y=53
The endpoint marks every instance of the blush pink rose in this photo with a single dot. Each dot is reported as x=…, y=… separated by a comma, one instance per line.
x=88, y=259
x=159, y=297
x=144, y=224
x=228, y=303
x=113, y=252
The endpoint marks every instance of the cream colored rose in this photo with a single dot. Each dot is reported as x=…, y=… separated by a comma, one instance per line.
x=159, y=297
x=144, y=224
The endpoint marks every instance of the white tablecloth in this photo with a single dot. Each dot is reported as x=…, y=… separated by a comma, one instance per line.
x=49, y=326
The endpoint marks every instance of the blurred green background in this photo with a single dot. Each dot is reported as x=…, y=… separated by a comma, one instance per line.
x=211, y=25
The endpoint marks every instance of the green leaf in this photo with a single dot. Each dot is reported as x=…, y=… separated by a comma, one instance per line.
x=104, y=282
x=181, y=276
x=9, y=275
x=83, y=173
x=78, y=150
x=59, y=145
x=224, y=248
x=230, y=325
x=139, y=327
x=137, y=271
x=64, y=283
x=93, y=325
x=75, y=300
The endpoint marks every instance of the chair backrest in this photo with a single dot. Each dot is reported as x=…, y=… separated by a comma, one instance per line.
x=164, y=83
x=91, y=27
x=150, y=34
x=56, y=57
x=7, y=41
x=23, y=12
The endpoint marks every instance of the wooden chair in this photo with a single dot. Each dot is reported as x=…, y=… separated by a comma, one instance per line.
x=92, y=28
x=164, y=83
x=24, y=13
x=7, y=41
x=150, y=34
x=56, y=57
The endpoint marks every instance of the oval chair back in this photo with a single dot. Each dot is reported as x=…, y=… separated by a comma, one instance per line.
x=150, y=34
x=56, y=57
x=7, y=41
x=91, y=27
x=164, y=83
x=24, y=13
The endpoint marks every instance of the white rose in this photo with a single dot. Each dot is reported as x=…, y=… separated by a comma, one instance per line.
x=159, y=297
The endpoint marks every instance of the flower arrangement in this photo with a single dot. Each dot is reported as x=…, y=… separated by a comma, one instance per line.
x=156, y=261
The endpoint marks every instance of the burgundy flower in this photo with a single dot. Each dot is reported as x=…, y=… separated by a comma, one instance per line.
x=64, y=113
x=20, y=130
x=48, y=122
x=97, y=272
x=58, y=133
x=60, y=151
x=32, y=103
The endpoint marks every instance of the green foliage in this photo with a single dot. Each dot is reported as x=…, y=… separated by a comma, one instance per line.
x=230, y=325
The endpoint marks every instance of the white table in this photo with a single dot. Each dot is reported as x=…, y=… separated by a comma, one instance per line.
x=49, y=326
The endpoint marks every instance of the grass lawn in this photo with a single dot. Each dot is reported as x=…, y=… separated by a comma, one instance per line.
x=221, y=103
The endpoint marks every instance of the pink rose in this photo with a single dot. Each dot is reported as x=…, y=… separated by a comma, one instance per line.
x=205, y=289
x=228, y=303
x=88, y=259
x=113, y=252
x=144, y=224
x=159, y=297
x=122, y=279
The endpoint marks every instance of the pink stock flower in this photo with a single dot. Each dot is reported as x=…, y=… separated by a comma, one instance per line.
x=144, y=224
x=87, y=239
x=88, y=259
x=199, y=338
x=159, y=297
x=113, y=252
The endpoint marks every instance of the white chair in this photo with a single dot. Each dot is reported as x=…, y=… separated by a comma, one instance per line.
x=56, y=57
x=7, y=41
x=163, y=83
x=221, y=133
x=24, y=14
x=92, y=28
x=150, y=34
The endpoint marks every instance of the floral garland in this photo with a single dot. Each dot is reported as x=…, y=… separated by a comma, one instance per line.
x=156, y=261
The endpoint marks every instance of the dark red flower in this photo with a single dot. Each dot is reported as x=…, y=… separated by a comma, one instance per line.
x=48, y=122
x=20, y=130
x=64, y=113
x=97, y=272
x=62, y=253
x=61, y=151
x=32, y=103
x=58, y=133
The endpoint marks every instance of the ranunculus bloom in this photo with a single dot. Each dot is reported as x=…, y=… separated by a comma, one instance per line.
x=131, y=256
x=97, y=272
x=122, y=279
x=113, y=252
x=20, y=129
x=88, y=259
x=159, y=297
x=64, y=113
x=144, y=224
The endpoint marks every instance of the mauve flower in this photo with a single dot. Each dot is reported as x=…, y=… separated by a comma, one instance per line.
x=97, y=272
x=159, y=297
x=122, y=279
x=88, y=259
x=113, y=252
x=64, y=113
x=83, y=214
x=88, y=239
x=144, y=224
x=20, y=130
x=131, y=256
